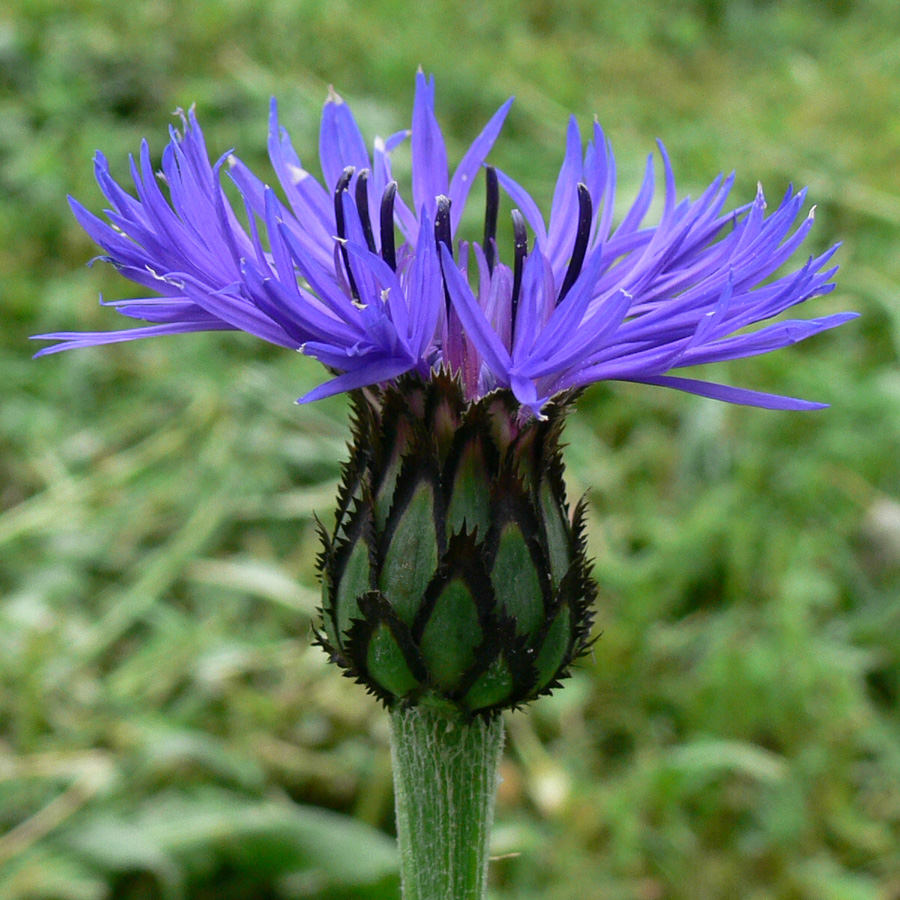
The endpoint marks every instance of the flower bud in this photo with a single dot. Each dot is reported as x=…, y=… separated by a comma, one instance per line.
x=455, y=573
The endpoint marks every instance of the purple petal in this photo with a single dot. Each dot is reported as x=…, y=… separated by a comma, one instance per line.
x=373, y=373
x=465, y=173
x=724, y=392
x=73, y=340
x=429, y=155
x=309, y=200
x=529, y=208
x=238, y=313
x=564, y=209
x=773, y=337
x=528, y=312
x=340, y=142
x=426, y=292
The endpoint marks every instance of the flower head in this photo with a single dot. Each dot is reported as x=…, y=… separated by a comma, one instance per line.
x=348, y=272
x=456, y=572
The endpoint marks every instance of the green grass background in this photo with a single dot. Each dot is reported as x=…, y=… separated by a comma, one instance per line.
x=166, y=731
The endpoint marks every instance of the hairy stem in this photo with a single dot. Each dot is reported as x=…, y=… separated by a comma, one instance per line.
x=445, y=780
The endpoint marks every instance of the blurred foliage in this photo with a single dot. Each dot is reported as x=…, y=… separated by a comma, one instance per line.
x=166, y=731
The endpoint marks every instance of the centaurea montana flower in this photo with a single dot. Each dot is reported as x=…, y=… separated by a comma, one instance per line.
x=455, y=570
x=589, y=302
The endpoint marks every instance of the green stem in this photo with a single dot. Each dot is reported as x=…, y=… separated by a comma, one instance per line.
x=445, y=782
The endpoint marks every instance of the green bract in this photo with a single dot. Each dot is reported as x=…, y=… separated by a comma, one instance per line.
x=455, y=573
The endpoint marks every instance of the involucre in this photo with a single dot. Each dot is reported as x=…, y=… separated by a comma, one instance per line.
x=455, y=573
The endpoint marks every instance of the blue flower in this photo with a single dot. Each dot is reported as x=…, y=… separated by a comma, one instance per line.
x=322, y=270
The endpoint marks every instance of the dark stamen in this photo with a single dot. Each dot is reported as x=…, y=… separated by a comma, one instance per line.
x=442, y=222
x=442, y=235
x=362, y=205
x=521, y=251
x=388, y=251
x=491, y=207
x=585, y=218
x=339, y=189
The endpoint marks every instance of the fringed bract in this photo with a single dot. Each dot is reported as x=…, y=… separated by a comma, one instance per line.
x=455, y=573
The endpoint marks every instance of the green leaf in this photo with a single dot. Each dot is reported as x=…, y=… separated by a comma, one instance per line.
x=176, y=835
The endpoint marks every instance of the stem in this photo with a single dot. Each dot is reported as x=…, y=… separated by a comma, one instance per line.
x=445, y=782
